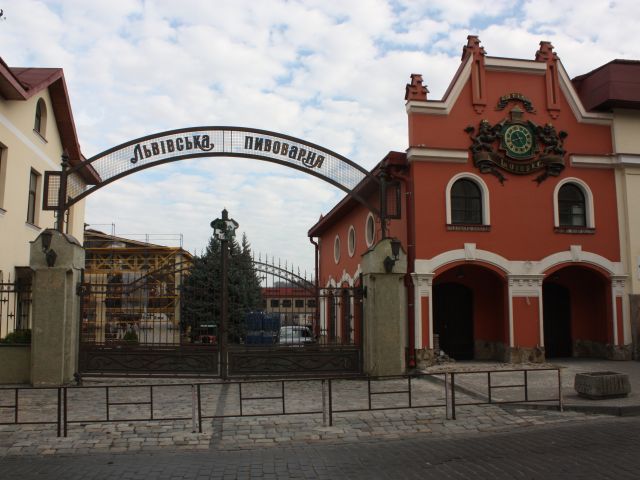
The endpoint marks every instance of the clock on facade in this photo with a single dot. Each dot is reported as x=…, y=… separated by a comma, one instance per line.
x=518, y=141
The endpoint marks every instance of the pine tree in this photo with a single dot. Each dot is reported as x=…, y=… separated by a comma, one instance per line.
x=201, y=289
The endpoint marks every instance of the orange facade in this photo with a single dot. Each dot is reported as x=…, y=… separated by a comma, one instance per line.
x=527, y=264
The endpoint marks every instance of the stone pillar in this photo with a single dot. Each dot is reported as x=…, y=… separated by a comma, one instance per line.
x=385, y=312
x=57, y=260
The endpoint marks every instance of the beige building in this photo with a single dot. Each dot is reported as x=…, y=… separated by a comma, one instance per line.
x=615, y=88
x=36, y=126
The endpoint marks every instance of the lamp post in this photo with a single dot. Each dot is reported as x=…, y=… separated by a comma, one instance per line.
x=224, y=229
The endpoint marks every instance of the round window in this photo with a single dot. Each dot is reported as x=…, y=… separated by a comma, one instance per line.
x=370, y=230
x=336, y=249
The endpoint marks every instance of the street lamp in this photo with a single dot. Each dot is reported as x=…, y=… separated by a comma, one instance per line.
x=224, y=229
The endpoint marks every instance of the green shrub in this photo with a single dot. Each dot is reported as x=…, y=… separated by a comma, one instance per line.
x=18, y=337
x=130, y=337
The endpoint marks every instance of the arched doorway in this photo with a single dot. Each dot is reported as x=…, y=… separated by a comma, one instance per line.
x=577, y=313
x=469, y=312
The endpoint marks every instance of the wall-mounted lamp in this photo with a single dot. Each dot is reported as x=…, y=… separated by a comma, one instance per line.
x=50, y=255
x=389, y=262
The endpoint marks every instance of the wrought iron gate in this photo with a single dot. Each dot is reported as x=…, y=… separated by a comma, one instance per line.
x=161, y=321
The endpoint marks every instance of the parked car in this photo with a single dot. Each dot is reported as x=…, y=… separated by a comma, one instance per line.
x=295, y=335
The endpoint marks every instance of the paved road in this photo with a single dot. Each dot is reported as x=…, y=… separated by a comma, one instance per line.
x=603, y=448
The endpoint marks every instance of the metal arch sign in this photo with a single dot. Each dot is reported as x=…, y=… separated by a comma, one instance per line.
x=174, y=145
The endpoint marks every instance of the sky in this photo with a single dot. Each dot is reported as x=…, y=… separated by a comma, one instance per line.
x=330, y=72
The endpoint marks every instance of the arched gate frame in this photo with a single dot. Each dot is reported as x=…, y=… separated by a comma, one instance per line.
x=64, y=188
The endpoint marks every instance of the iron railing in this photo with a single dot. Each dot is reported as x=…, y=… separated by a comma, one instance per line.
x=15, y=307
x=196, y=402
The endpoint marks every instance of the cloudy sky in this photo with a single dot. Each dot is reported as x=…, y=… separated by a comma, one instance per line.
x=330, y=72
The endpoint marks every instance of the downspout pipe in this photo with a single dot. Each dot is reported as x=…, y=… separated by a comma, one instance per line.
x=411, y=257
x=317, y=289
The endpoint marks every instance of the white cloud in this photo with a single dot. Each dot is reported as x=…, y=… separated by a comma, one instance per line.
x=330, y=72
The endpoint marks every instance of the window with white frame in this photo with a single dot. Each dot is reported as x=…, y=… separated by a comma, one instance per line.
x=370, y=230
x=336, y=249
x=32, y=198
x=40, y=122
x=351, y=241
x=3, y=174
x=573, y=206
x=467, y=202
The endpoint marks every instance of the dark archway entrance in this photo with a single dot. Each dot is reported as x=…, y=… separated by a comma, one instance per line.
x=469, y=312
x=578, y=312
x=453, y=319
x=557, y=321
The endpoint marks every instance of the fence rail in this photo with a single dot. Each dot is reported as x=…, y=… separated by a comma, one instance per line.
x=196, y=402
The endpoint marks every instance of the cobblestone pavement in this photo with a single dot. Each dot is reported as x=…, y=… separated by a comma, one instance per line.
x=172, y=407
x=605, y=448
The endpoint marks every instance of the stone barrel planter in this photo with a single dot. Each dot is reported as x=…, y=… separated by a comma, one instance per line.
x=601, y=385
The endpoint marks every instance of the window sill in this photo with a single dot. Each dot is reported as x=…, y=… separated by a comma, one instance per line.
x=575, y=230
x=39, y=135
x=467, y=228
x=32, y=226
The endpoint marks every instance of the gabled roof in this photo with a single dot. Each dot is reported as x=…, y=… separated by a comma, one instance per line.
x=23, y=83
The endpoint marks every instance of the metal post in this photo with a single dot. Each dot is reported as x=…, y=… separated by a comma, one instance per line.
x=383, y=204
x=194, y=399
x=283, y=407
x=560, y=401
x=324, y=402
x=410, y=402
x=59, y=411
x=62, y=193
x=199, y=411
x=151, y=400
x=446, y=395
x=224, y=306
x=453, y=396
x=369, y=391
x=489, y=385
x=526, y=386
x=64, y=416
x=330, y=406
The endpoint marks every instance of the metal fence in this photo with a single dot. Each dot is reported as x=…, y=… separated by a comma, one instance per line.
x=195, y=402
x=15, y=308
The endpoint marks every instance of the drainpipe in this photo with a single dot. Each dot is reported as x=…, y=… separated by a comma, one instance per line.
x=317, y=289
x=411, y=257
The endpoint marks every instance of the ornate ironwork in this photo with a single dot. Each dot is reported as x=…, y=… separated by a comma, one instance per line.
x=310, y=360
x=125, y=359
x=181, y=144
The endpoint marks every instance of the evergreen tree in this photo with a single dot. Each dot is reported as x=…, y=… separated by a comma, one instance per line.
x=201, y=298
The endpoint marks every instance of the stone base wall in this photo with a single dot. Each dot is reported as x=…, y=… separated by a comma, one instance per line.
x=425, y=357
x=525, y=355
x=591, y=349
x=15, y=364
x=489, y=350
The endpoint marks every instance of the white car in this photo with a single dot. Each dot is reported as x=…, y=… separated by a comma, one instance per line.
x=295, y=335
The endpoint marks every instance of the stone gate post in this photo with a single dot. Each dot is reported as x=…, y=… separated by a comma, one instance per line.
x=57, y=260
x=385, y=311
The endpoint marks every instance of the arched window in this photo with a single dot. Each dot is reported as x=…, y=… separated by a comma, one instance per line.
x=336, y=249
x=572, y=208
x=370, y=230
x=466, y=203
x=40, y=123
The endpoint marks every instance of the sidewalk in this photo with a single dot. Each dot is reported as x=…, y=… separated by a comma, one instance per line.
x=629, y=405
x=265, y=430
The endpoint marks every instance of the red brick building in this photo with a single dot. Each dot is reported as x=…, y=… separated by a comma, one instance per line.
x=505, y=203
